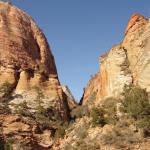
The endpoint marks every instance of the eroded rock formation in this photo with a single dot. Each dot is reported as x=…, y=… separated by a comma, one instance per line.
x=125, y=63
x=26, y=61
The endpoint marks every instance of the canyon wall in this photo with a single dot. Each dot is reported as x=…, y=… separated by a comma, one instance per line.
x=27, y=63
x=124, y=64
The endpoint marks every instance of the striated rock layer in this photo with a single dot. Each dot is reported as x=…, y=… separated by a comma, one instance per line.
x=26, y=60
x=125, y=63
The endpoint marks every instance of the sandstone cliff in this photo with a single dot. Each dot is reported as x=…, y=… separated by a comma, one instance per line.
x=33, y=104
x=125, y=63
x=26, y=61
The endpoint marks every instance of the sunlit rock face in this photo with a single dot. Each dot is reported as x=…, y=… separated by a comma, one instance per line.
x=137, y=44
x=124, y=64
x=70, y=98
x=26, y=60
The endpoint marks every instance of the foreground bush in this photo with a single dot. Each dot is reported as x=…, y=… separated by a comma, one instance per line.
x=97, y=115
x=136, y=105
x=5, y=97
x=120, y=138
x=80, y=111
x=5, y=90
x=60, y=132
x=110, y=110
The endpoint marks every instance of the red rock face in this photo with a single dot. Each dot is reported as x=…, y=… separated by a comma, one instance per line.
x=125, y=63
x=91, y=88
x=104, y=82
x=97, y=86
x=26, y=60
x=136, y=19
x=22, y=43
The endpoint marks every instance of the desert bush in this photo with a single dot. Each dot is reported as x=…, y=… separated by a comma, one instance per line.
x=81, y=132
x=144, y=124
x=136, y=105
x=9, y=144
x=6, y=145
x=60, y=132
x=42, y=117
x=136, y=102
x=47, y=118
x=5, y=95
x=120, y=137
x=1, y=143
x=4, y=108
x=110, y=111
x=79, y=112
x=105, y=114
x=5, y=90
x=97, y=115
x=83, y=145
x=22, y=109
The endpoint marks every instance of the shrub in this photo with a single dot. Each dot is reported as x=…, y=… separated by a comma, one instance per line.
x=41, y=114
x=5, y=90
x=4, y=108
x=5, y=95
x=1, y=143
x=42, y=117
x=60, y=132
x=9, y=144
x=79, y=112
x=120, y=138
x=81, y=132
x=110, y=110
x=46, y=118
x=97, y=115
x=22, y=109
x=83, y=145
x=144, y=123
x=136, y=104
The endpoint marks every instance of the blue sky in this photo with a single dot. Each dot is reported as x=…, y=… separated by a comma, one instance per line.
x=79, y=31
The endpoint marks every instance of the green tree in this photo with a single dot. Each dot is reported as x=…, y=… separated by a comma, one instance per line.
x=5, y=90
x=97, y=115
x=136, y=104
x=110, y=110
x=80, y=111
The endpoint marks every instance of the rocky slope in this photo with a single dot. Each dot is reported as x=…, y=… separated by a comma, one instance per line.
x=125, y=63
x=82, y=136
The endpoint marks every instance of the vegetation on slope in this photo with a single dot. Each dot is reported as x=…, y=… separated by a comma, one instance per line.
x=127, y=120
